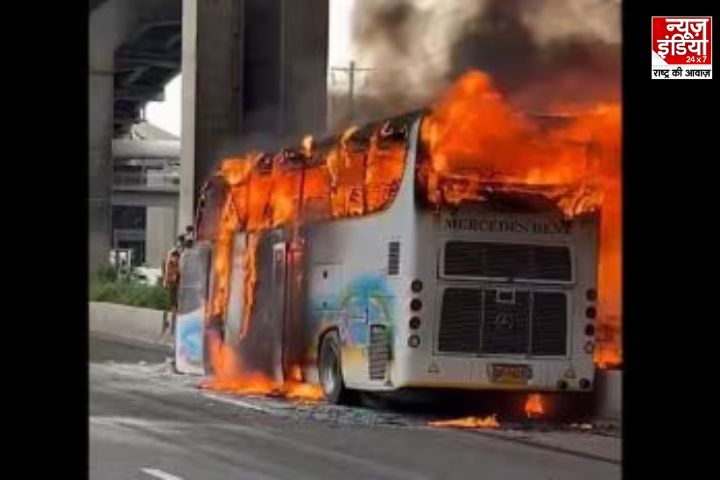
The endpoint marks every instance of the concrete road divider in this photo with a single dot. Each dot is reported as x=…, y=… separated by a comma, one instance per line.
x=133, y=323
x=608, y=395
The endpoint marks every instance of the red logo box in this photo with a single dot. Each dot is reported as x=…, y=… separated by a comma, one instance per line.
x=684, y=42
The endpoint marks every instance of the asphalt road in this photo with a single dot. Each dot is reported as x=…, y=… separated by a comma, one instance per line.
x=147, y=422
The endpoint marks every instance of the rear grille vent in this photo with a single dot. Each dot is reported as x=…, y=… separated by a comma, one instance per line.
x=460, y=327
x=492, y=321
x=393, y=258
x=379, y=352
x=548, y=332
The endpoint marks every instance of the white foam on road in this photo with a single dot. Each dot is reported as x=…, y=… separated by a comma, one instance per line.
x=157, y=473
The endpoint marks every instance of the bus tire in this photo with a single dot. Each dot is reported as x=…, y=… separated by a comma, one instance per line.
x=330, y=370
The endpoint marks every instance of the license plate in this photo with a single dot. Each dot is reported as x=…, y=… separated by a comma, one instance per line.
x=510, y=374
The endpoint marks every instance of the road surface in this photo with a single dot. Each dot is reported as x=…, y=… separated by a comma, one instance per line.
x=149, y=423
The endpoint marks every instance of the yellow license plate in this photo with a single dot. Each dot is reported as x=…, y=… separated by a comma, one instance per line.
x=510, y=374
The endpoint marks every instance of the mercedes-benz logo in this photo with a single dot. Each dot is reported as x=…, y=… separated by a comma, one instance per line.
x=504, y=320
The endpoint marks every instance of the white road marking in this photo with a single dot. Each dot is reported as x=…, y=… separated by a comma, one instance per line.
x=154, y=472
x=130, y=422
x=234, y=401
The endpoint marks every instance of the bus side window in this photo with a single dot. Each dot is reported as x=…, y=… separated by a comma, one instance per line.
x=348, y=194
x=316, y=194
x=385, y=166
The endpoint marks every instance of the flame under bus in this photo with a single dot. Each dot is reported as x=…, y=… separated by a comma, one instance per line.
x=494, y=291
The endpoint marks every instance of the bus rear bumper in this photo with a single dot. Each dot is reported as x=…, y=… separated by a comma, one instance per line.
x=476, y=373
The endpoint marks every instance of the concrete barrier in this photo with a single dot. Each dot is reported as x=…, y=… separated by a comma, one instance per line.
x=608, y=395
x=133, y=323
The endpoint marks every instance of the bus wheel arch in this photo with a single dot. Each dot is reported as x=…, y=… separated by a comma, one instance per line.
x=329, y=365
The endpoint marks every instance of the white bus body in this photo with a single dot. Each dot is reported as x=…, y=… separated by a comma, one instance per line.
x=507, y=299
x=362, y=270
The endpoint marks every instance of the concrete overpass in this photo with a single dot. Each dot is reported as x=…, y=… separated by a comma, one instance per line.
x=254, y=74
x=153, y=186
x=134, y=49
x=145, y=194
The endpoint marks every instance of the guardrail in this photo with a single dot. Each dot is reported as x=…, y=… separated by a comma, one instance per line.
x=132, y=323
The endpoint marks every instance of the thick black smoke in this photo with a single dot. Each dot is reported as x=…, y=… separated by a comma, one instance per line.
x=540, y=52
x=389, y=22
x=503, y=41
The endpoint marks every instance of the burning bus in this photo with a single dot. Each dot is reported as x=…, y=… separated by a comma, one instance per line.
x=375, y=261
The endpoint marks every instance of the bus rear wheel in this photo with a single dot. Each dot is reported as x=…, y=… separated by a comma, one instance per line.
x=330, y=371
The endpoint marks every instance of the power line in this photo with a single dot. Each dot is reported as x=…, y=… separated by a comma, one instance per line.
x=351, y=70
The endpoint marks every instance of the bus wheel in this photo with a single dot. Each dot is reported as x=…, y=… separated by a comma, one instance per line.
x=330, y=371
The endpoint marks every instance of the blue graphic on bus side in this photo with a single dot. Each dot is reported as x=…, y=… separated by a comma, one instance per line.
x=366, y=299
x=190, y=336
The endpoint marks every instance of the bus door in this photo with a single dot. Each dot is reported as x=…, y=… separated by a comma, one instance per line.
x=294, y=337
x=235, y=314
x=278, y=302
x=192, y=294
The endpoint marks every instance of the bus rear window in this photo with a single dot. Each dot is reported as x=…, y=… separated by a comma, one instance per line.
x=507, y=260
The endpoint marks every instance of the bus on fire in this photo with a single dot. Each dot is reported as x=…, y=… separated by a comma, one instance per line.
x=352, y=260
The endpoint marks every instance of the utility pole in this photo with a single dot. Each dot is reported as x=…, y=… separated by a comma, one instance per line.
x=281, y=93
x=351, y=70
x=351, y=90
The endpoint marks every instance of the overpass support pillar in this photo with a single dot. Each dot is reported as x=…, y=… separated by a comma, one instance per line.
x=109, y=23
x=100, y=132
x=100, y=126
x=211, y=103
x=160, y=234
x=254, y=77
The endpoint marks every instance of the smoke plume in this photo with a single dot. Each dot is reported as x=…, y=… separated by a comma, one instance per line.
x=539, y=52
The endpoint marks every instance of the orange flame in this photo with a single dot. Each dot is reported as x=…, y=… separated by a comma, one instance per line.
x=250, y=279
x=473, y=138
x=281, y=191
x=221, y=263
x=534, y=406
x=304, y=391
x=468, y=422
x=307, y=145
x=230, y=376
x=295, y=373
x=356, y=178
x=246, y=206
